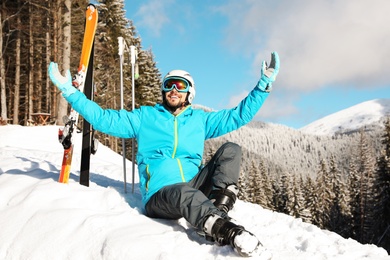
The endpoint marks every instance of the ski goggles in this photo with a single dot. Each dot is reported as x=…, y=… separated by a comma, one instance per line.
x=180, y=84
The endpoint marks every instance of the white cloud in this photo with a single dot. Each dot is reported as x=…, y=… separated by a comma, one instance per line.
x=234, y=100
x=319, y=42
x=153, y=15
x=276, y=106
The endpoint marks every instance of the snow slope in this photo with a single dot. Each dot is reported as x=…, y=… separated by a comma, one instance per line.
x=352, y=118
x=43, y=219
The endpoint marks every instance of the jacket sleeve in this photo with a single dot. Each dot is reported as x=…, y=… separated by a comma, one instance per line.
x=224, y=121
x=119, y=123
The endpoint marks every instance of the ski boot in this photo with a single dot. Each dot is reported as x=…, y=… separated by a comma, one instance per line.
x=224, y=199
x=225, y=232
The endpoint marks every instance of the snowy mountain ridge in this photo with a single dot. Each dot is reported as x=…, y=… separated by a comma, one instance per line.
x=347, y=120
x=300, y=151
x=350, y=119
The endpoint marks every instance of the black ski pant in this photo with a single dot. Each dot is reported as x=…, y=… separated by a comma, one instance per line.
x=190, y=200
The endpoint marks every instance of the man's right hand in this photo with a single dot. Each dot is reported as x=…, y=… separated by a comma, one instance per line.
x=63, y=83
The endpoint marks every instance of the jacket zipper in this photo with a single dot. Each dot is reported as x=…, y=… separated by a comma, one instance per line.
x=176, y=138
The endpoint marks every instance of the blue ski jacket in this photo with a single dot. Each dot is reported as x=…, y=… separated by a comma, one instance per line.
x=170, y=148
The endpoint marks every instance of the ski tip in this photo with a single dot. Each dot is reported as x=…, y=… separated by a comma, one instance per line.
x=91, y=6
x=91, y=12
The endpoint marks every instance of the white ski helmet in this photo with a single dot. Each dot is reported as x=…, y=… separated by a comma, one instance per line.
x=185, y=75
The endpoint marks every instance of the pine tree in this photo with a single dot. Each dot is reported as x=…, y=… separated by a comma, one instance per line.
x=242, y=184
x=266, y=185
x=254, y=191
x=324, y=195
x=339, y=211
x=276, y=198
x=315, y=206
x=354, y=201
x=296, y=203
x=367, y=172
x=148, y=84
x=310, y=199
x=382, y=187
x=285, y=194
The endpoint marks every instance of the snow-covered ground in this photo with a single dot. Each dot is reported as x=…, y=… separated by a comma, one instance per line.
x=43, y=219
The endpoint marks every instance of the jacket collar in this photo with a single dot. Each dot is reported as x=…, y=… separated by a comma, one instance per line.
x=187, y=111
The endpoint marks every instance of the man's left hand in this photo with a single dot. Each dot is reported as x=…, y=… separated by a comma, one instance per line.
x=269, y=73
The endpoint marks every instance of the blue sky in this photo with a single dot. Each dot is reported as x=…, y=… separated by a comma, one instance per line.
x=334, y=54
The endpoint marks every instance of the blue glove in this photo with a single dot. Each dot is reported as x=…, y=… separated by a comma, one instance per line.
x=268, y=73
x=63, y=83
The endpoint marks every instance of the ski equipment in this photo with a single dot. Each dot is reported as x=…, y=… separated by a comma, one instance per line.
x=134, y=66
x=225, y=232
x=121, y=48
x=88, y=132
x=224, y=199
x=65, y=134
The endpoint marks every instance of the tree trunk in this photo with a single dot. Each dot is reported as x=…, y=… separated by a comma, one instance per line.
x=3, y=101
x=32, y=68
x=15, y=120
x=63, y=105
x=56, y=32
x=38, y=84
x=48, y=103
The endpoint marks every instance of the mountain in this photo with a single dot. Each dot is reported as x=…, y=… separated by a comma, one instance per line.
x=43, y=219
x=350, y=119
x=287, y=150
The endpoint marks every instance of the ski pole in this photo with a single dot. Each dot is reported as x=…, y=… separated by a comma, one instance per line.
x=121, y=47
x=133, y=55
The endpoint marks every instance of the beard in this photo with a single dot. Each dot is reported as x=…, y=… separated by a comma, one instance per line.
x=172, y=106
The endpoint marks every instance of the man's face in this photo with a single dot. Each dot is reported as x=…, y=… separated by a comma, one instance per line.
x=174, y=98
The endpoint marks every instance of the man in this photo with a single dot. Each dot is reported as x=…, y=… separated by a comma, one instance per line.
x=170, y=140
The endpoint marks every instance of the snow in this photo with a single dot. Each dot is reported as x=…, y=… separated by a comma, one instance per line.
x=43, y=219
x=352, y=118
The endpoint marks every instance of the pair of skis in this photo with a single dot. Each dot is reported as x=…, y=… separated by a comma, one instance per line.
x=83, y=80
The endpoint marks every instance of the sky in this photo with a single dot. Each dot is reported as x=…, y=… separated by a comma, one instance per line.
x=44, y=219
x=333, y=54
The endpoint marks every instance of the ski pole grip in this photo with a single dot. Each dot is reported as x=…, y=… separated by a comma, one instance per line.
x=120, y=46
x=132, y=51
